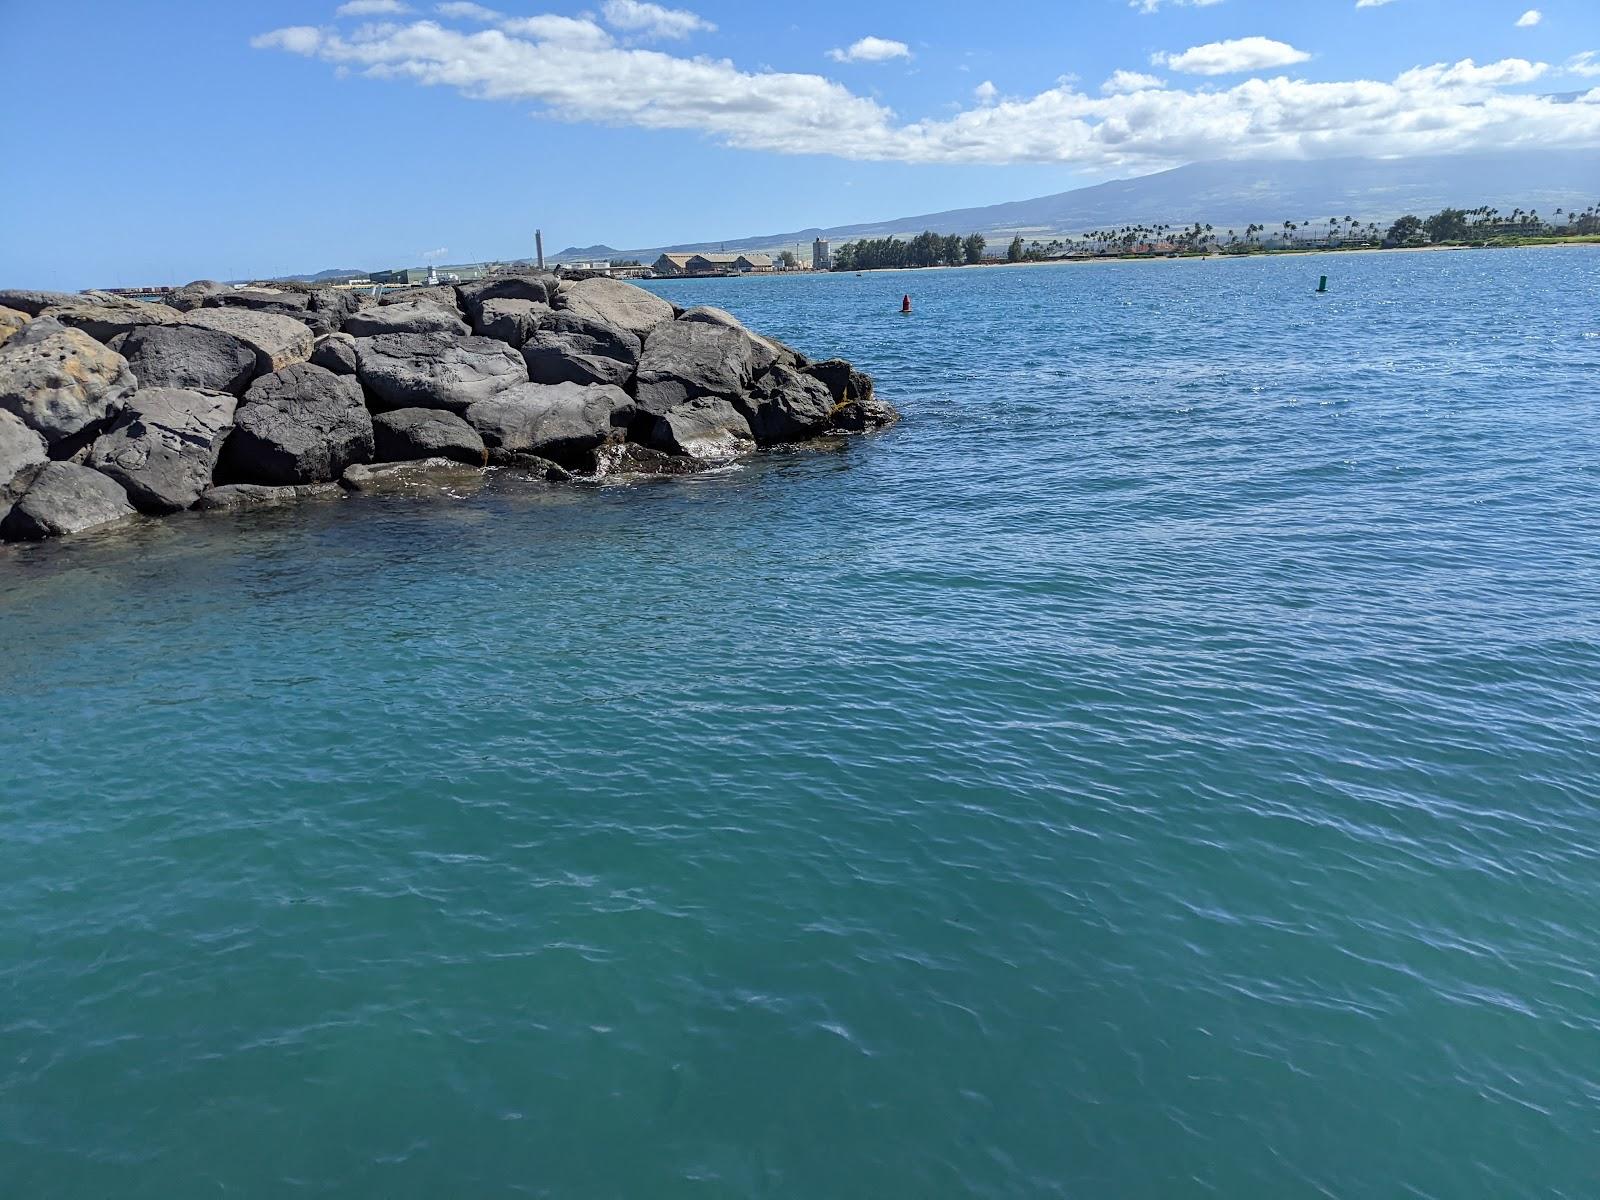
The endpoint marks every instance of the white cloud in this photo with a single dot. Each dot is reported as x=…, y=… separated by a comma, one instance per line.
x=1150, y=6
x=1529, y=19
x=1586, y=64
x=1125, y=82
x=577, y=32
x=1232, y=57
x=652, y=20
x=565, y=73
x=434, y=255
x=465, y=10
x=986, y=92
x=372, y=8
x=296, y=39
x=871, y=49
x=1372, y=3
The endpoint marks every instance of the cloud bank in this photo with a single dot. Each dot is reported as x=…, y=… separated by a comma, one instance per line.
x=572, y=69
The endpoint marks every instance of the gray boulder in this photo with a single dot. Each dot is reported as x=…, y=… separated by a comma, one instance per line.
x=707, y=428
x=164, y=447
x=33, y=303
x=335, y=352
x=407, y=434
x=534, y=288
x=765, y=352
x=685, y=359
x=594, y=336
x=60, y=381
x=103, y=322
x=188, y=356
x=65, y=498
x=191, y=295
x=22, y=453
x=419, y=316
x=331, y=308
x=562, y=358
x=278, y=341
x=842, y=380
x=274, y=300
x=442, y=296
x=565, y=423
x=864, y=416
x=621, y=304
x=233, y=497
x=300, y=425
x=509, y=321
x=11, y=323
x=436, y=370
x=421, y=475
x=786, y=406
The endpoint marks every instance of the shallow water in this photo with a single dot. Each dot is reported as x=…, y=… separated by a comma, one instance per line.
x=1165, y=765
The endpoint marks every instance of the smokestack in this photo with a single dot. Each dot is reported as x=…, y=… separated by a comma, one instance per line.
x=538, y=241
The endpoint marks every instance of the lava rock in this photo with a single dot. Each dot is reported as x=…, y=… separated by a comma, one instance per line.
x=685, y=359
x=509, y=321
x=11, y=323
x=427, y=474
x=864, y=416
x=232, y=497
x=565, y=422
x=418, y=316
x=786, y=406
x=335, y=352
x=33, y=303
x=164, y=447
x=278, y=341
x=188, y=356
x=707, y=428
x=621, y=304
x=65, y=498
x=765, y=352
x=22, y=453
x=842, y=380
x=61, y=382
x=299, y=425
x=560, y=358
x=407, y=434
x=103, y=322
x=537, y=289
x=436, y=370
x=191, y=295
x=629, y=459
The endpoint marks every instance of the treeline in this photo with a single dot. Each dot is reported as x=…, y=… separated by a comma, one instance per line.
x=927, y=249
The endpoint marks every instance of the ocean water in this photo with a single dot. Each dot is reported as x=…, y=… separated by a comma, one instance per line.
x=1166, y=765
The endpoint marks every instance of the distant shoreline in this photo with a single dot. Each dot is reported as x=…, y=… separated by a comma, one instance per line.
x=1305, y=252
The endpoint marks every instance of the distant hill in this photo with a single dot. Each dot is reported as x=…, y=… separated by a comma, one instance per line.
x=1230, y=195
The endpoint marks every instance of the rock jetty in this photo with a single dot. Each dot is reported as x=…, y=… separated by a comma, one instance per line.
x=226, y=398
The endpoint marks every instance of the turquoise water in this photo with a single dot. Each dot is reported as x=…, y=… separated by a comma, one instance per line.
x=1166, y=765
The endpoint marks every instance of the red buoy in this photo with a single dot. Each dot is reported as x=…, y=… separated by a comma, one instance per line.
x=905, y=305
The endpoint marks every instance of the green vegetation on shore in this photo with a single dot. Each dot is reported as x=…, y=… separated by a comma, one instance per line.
x=1484, y=227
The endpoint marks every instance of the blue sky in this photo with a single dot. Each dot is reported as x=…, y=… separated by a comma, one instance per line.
x=170, y=139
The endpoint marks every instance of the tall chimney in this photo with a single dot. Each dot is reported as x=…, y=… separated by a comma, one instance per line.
x=538, y=241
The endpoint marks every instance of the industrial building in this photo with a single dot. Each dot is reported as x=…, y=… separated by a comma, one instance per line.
x=670, y=266
x=821, y=255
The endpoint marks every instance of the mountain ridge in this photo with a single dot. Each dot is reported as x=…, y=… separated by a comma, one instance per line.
x=1222, y=194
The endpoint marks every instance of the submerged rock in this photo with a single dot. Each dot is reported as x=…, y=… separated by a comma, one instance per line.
x=409, y=434
x=436, y=370
x=65, y=498
x=61, y=382
x=427, y=474
x=300, y=425
x=164, y=447
x=231, y=497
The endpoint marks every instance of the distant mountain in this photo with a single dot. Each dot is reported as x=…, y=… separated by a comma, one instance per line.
x=1231, y=195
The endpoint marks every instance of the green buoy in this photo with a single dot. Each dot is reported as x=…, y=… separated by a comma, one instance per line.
x=1323, y=286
